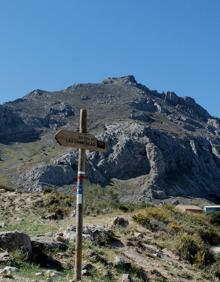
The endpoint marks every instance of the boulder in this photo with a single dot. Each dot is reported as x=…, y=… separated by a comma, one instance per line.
x=120, y=221
x=46, y=243
x=7, y=272
x=13, y=240
x=121, y=263
x=98, y=234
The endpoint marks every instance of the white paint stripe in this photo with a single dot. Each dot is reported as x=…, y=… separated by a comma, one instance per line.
x=79, y=199
x=81, y=172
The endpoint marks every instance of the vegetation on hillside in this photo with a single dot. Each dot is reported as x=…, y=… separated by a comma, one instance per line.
x=188, y=235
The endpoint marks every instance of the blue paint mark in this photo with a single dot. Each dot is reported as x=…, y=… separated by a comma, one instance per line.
x=79, y=189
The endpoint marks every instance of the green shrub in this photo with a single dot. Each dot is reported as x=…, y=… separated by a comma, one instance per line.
x=60, y=213
x=18, y=257
x=192, y=249
x=175, y=227
x=6, y=188
x=47, y=190
x=209, y=236
x=59, y=203
x=161, y=214
x=214, y=218
x=215, y=270
x=126, y=207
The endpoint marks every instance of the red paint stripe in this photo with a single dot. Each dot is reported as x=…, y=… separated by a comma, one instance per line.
x=81, y=177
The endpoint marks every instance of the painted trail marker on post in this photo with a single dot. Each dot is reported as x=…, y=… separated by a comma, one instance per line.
x=83, y=141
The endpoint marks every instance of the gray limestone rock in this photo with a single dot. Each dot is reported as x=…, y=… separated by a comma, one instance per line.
x=43, y=176
x=98, y=234
x=171, y=166
x=13, y=240
x=4, y=257
x=13, y=127
x=120, y=221
x=46, y=243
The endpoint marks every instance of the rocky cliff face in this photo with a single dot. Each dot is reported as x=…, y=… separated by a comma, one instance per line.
x=163, y=144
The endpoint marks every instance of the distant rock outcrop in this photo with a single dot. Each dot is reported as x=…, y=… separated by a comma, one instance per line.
x=43, y=176
x=171, y=166
x=13, y=127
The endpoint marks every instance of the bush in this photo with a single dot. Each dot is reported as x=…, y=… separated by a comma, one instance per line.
x=192, y=249
x=160, y=214
x=60, y=213
x=214, y=218
x=174, y=227
x=209, y=236
x=18, y=257
x=126, y=207
x=215, y=270
x=47, y=190
x=59, y=203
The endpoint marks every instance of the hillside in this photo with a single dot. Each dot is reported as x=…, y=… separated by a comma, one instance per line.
x=159, y=145
x=146, y=243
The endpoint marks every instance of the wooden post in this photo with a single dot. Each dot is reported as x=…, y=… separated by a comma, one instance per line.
x=79, y=199
x=84, y=142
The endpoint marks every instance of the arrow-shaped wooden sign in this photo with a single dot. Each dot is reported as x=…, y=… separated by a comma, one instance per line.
x=78, y=140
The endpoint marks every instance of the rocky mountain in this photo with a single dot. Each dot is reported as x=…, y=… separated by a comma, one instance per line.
x=159, y=144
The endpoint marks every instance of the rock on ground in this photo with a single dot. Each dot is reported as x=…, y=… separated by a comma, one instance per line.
x=13, y=240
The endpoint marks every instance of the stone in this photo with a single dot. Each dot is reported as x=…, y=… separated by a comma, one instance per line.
x=13, y=240
x=95, y=257
x=52, y=273
x=86, y=269
x=87, y=266
x=85, y=272
x=8, y=270
x=98, y=234
x=4, y=257
x=46, y=243
x=2, y=224
x=59, y=237
x=138, y=235
x=39, y=274
x=84, y=98
x=125, y=278
x=50, y=216
x=73, y=214
x=120, y=221
x=121, y=263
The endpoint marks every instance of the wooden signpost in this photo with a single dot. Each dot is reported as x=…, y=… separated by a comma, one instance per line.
x=83, y=142
x=79, y=140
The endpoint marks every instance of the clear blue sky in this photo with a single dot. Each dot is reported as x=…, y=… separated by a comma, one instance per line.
x=167, y=44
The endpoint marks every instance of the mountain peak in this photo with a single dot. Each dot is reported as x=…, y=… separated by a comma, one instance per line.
x=128, y=79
